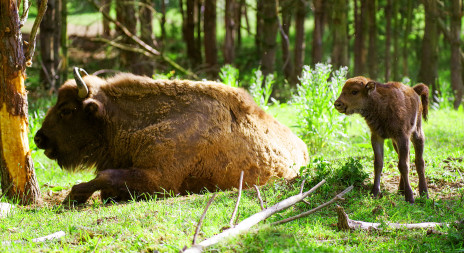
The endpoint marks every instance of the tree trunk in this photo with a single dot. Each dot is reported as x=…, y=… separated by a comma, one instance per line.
x=269, y=36
x=372, y=50
x=286, y=9
x=238, y=22
x=210, y=41
x=360, y=23
x=46, y=37
x=339, y=34
x=57, y=60
x=407, y=14
x=18, y=179
x=396, y=46
x=229, y=43
x=388, y=32
x=299, y=39
x=428, y=72
x=163, y=24
x=259, y=26
x=456, y=63
x=192, y=50
x=106, y=4
x=146, y=65
x=64, y=42
x=317, y=50
x=125, y=14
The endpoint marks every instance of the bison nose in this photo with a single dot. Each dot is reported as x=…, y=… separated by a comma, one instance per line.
x=40, y=140
x=338, y=104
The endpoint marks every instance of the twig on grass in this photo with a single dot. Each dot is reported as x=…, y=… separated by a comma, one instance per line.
x=345, y=223
x=336, y=198
x=252, y=220
x=259, y=197
x=53, y=236
x=231, y=222
x=197, y=230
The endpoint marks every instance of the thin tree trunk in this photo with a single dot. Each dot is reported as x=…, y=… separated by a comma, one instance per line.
x=193, y=52
x=259, y=26
x=163, y=24
x=64, y=42
x=229, y=43
x=47, y=29
x=125, y=13
x=408, y=16
x=145, y=66
x=339, y=34
x=106, y=4
x=238, y=22
x=396, y=46
x=57, y=60
x=269, y=36
x=360, y=52
x=299, y=39
x=210, y=41
x=456, y=63
x=317, y=50
x=18, y=179
x=198, y=19
x=372, y=49
x=286, y=9
x=388, y=17
x=428, y=71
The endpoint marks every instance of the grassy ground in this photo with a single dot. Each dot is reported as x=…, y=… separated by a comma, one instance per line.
x=168, y=225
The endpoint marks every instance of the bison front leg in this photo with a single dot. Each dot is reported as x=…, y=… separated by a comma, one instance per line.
x=403, y=166
x=377, y=145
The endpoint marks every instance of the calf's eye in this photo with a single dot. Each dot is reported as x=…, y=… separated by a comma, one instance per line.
x=65, y=112
x=354, y=92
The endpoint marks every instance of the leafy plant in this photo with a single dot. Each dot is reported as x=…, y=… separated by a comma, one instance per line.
x=229, y=75
x=318, y=121
x=261, y=88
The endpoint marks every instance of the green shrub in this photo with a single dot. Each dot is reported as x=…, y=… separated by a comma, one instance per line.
x=229, y=76
x=261, y=88
x=319, y=123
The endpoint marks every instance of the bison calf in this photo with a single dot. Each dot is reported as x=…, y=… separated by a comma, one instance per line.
x=154, y=136
x=392, y=110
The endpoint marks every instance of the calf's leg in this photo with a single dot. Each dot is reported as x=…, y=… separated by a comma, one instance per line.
x=401, y=183
x=377, y=145
x=403, y=166
x=418, y=140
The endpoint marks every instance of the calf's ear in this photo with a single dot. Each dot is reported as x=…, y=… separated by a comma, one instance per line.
x=370, y=86
x=93, y=107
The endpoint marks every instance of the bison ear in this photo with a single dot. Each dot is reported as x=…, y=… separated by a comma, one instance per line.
x=370, y=86
x=93, y=107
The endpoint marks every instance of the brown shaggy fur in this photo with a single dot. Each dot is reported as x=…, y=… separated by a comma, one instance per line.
x=392, y=110
x=154, y=136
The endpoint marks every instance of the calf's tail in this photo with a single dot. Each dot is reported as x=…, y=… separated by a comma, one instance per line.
x=423, y=91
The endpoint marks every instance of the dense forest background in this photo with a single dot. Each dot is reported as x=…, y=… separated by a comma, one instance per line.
x=385, y=40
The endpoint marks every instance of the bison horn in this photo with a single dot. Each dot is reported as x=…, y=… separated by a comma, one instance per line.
x=83, y=91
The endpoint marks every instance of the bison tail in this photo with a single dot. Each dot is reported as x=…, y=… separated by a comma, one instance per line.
x=423, y=91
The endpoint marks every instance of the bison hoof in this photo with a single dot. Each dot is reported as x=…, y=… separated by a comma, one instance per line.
x=74, y=199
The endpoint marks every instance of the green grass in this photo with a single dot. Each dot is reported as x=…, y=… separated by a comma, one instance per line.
x=167, y=225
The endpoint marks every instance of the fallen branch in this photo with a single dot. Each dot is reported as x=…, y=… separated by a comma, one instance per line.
x=259, y=197
x=53, y=236
x=345, y=223
x=252, y=220
x=336, y=198
x=197, y=230
x=231, y=222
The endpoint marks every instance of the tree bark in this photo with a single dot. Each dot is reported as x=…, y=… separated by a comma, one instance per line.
x=18, y=179
x=299, y=39
x=163, y=24
x=193, y=52
x=106, y=4
x=388, y=34
x=146, y=64
x=64, y=42
x=210, y=41
x=125, y=14
x=339, y=34
x=286, y=9
x=407, y=14
x=269, y=36
x=456, y=63
x=259, y=26
x=360, y=23
x=428, y=72
x=396, y=46
x=46, y=37
x=372, y=50
x=229, y=43
x=317, y=50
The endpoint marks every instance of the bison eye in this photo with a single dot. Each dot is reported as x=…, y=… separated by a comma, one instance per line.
x=354, y=92
x=65, y=112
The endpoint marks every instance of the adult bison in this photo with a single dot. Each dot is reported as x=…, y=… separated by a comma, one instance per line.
x=157, y=136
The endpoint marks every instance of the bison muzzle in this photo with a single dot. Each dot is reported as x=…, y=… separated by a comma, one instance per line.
x=146, y=136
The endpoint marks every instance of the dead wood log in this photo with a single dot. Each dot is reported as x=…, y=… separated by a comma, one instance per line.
x=252, y=220
x=345, y=223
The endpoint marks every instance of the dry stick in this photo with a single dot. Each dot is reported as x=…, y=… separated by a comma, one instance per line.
x=141, y=43
x=345, y=223
x=123, y=46
x=231, y=222
x=302, y=186
x=30, y=50
x=336, y=198
x=56, y=235
x=252, y=220
x=259, y=197
x=197, y=230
